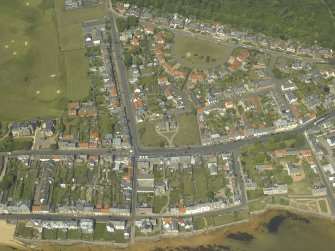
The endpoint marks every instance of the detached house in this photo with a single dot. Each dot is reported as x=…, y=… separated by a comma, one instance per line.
x=49, y=127
x=289, y=86
x=24, y=128
x=291, y=97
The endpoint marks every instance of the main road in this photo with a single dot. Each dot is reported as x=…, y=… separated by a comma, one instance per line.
x=166, y=152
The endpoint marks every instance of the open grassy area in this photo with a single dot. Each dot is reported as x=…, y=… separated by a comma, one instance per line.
x=323, y=206
x=188, y=133
x=99, y=231
x=199, y=54
x=300, y=188
x=23, y=231
x=74, y=66
x=256, y=205
x=187, y=185
x=199, y=223
x=61, y=234
x=70, y=24
x=117, y=236
x=49, y=234
x=36, y=77
x=73, y=234
x=200, y=184
x=148, y=135
x=159, y=203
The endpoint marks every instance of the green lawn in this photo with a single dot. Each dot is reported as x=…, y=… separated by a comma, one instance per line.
x=188, y=133
x=187, y=184
x=73, y=234
x=209, y=220
x=159, y=203
x=99, y=231
x=148, y=135
x=61, y=235
x=174, y=198
x=199, y=223
x=58, y=194
x=49, y=234
x=220, y=220
x=36, y=77
x=87, y=237
x=114, y=237
x=198, y=54
x=70, y=24
x=323, y=206
x=257, y=205
x=22, y=230
x=29, y=185
x=200, y=184
x=74, y=67
x=300, y=188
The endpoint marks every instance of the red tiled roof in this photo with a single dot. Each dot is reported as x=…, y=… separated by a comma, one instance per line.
x=114, y=91
x=94, y=157
x=160, y=37
x=243, y=55
x=138, y=103
x=182, y=208
x=94, y=135
x=167, y=220
x=72, y=112
x=83, y=145
x=36, y=208
x=135, y=42
x=73, y=105
x=163, y=79
x=235, y=66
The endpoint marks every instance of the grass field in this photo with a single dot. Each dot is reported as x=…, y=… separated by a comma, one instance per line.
x=22, y=230
x=148, y=135
x=76, y=80
x=300, y=188
x=199, y=54
x=323, y=206
x=37, y=77
x=200, y=184
x=159, y=203
x=69, y=24
x=188, y=133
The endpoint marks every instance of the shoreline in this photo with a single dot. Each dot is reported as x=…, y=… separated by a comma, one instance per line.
x=7, y=238
x=255, y=219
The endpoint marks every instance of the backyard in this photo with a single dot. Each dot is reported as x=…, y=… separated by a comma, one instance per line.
x=188, y=133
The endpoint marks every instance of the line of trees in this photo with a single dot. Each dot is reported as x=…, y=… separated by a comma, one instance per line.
x=308, y=21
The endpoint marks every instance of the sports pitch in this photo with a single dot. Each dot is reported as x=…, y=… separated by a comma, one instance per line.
x=42, y=60
x=199, y=54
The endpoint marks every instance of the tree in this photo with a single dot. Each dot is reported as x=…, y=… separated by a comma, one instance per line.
x=162, y=144
x=169, y=37
x=121, y=24
x=210, y=195
x=60, y=126
x=141, y=131
x=132, y=21
x=54, y=146
x=288, y=179
x=127, y=59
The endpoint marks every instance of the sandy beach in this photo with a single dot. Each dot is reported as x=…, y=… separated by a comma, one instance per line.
x=7, y=236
